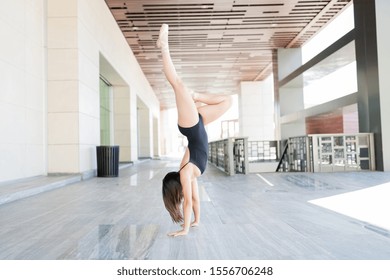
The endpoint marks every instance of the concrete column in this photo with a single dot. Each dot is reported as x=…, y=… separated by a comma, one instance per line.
x=125, y=123
x=73, y=92
x=383, y=41
x=156, y=138
x=291, y=97
x=122, y=127
x=63, y=88
x=367, y=44
x=133, y=126
x=256, y=110
x=275, y=74
x=145, y=131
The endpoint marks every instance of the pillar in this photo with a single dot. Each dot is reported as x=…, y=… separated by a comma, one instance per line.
x=156, y=138
x=73, y=92
x=122, y=127
x=63, y=88
x=383, y=46
x=369, y=103
x=145, y=131
x=256, y=110
x=291, y=99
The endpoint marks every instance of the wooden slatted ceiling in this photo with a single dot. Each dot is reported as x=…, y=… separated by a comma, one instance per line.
x=216, y=44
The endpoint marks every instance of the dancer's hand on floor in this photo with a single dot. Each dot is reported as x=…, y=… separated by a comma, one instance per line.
x=193, y=224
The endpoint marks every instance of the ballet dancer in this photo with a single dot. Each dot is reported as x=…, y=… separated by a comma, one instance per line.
x=180, y=188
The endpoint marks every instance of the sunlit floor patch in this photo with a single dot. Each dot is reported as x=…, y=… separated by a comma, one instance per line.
x=370, y=205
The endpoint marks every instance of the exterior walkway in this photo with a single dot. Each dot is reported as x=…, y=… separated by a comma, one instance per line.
x=243, y=217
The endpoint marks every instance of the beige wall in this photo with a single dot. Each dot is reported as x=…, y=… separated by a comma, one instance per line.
x=23, y=87
x=50, y=96
x=97, y=34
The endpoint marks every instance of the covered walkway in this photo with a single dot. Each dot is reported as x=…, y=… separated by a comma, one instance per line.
x=257, y=216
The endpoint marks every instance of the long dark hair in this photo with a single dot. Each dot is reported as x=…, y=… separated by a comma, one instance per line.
x=172, y=192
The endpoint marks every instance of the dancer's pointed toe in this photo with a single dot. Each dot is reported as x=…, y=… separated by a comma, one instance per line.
x=162, y=41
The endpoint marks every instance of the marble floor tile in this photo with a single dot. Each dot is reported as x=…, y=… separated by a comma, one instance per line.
x=243, y=217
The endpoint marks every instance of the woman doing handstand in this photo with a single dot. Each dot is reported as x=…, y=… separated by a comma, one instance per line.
x=182, y=187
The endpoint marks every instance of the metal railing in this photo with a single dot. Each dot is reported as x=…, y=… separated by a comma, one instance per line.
x=221, y=154
x=234, y=155
x=299, y=154
x=343, y=152
x=260, y=151
x=309, y=153
x=331, y=152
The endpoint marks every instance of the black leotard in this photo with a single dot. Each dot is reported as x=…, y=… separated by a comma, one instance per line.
x=197, y=144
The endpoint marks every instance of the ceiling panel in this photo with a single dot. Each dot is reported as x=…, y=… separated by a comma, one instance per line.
x=217, y=44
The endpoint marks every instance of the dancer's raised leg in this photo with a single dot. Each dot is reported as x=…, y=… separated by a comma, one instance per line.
x=186, y=108
x=215, y=105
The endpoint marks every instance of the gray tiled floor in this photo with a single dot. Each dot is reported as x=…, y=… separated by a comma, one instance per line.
x=242, y=218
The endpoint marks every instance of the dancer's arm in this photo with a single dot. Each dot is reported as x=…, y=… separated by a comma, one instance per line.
x=185, y=180
x=195, y=203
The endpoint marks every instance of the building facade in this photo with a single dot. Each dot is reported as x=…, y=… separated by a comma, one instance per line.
x=53, y=57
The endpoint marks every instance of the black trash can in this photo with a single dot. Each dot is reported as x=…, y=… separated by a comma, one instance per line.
x=107, y=161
